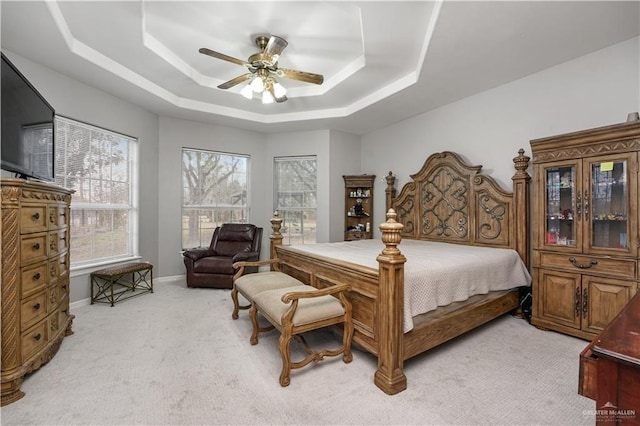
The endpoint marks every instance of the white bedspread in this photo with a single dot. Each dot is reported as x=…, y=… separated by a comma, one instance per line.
x=436, y=274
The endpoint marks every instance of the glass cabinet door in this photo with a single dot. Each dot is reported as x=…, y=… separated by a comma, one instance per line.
x=561, y=191
x=607, y=207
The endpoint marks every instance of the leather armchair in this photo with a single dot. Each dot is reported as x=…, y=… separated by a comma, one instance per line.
x=213, y=266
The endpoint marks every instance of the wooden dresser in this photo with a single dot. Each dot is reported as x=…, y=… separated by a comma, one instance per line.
x=586, y=242
x=35, y=278
x=610, y=369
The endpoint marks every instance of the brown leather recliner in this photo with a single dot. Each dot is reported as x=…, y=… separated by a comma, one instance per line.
x=213, y=266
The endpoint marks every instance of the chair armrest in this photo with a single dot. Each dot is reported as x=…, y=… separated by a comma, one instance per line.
x=239, y=266
x=243, y=264
x=245, y=255
x=196, y=254
x=294, y=295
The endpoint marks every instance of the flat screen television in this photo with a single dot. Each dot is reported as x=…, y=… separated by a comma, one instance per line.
x=28, y=130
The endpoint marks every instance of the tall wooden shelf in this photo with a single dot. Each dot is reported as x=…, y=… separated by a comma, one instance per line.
x=586, y=230
x=358, y=207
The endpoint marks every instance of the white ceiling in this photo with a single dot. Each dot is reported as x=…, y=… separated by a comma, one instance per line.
x=383, y=61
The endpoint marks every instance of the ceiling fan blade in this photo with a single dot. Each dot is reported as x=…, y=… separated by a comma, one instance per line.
x=307, y=77
x=224, y=57
x=274, y=48
x=236, y=81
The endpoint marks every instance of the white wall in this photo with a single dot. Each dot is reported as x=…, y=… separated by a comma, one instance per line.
x=488, y=129
x=78, y=101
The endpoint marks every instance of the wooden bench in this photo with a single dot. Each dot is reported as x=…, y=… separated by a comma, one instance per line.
x=251, y=284
x=293, y=308
x=129, y=279
x=296, y=310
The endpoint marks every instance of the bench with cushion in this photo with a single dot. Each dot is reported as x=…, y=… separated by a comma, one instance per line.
x=248, y=285
x=293, y=308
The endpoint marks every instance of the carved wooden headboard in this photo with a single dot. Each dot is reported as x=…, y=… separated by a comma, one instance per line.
x=451, y=201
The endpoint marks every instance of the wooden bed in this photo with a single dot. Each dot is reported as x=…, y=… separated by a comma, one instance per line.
x=446, y=201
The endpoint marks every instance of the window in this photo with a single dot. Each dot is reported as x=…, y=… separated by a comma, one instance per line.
x=295, y=198
x=214, y=191
x=100, y=165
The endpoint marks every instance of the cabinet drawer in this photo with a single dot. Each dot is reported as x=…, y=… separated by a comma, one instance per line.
x=57, y=242
x=33, y=278
x=33, y=218
x=63, y=289
x=596, y=265
x=33, y=248
x=33, y=309
x=34, y=339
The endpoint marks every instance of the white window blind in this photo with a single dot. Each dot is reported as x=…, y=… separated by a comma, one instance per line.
x=100, y=165
x=296, y=198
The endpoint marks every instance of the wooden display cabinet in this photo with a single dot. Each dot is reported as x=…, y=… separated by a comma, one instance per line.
x=585, y=247
x=358, y=207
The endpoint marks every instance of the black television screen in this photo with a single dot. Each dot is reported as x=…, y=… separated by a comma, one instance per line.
x=27, y=127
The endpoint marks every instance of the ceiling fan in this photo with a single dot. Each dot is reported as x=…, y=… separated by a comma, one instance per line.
x=262, y=67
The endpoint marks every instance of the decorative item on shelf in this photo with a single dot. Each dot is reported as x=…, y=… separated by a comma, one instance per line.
x=633, y=116
x=357, y=209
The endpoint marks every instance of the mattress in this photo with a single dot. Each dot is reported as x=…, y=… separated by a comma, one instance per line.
x=436, y=274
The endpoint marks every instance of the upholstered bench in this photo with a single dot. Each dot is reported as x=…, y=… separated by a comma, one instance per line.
x=250, y=285
x=104, y=281
x=296, y=310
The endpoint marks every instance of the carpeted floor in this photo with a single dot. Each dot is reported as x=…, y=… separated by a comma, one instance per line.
x=175, y=357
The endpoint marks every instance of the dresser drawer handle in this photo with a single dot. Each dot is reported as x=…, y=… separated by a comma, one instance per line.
x=582, y=265
x=38, y=336
x=36, y=276
x=36, y=246
x=35, y=216
x=36, y=306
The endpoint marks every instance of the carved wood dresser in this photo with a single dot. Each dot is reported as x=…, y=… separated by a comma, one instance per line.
x=35, y=278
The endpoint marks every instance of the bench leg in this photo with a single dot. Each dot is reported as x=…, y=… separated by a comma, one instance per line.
x=253, y=313
x=236, y=304
x=284, y=341
x=347, y=335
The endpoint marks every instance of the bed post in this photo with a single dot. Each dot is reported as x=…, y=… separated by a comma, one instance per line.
x=390, y=376
x=390, y=191
x=521, y=199
x=276, y=236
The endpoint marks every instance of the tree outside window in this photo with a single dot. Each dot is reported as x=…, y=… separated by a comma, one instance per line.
x=295, y=198
x=98, y=165
x=214, y=191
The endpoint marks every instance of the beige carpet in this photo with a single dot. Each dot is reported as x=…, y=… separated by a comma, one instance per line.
x=176, y=357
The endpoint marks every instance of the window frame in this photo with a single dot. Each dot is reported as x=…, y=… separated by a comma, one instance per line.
x=131, y=209
x=245, y=210
x=285, y=212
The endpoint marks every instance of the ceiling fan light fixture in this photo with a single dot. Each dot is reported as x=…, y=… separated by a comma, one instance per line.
x=267, y=98
x=257, y=85
x=278, y=90
x=247, y=92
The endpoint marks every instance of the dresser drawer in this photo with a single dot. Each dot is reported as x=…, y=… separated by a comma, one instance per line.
x=33, y=278
x=33, y=218
x=34, y=339
x=33, y=309
x=33, y=248
x=57, y=242
x=596, y=265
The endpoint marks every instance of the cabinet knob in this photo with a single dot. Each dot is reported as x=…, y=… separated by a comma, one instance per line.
x=36, y=246
x=36, y=306
x=36, y=276
x=575, y=263
x=35, y=216
x=38, y=336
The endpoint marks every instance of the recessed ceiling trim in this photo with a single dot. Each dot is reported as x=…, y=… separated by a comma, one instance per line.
x=110, y=65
